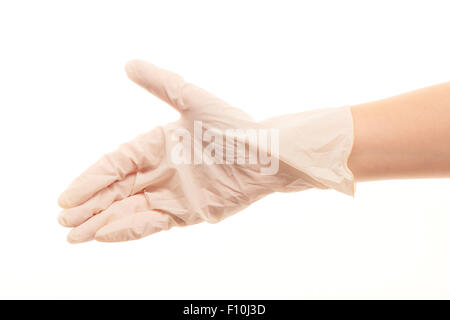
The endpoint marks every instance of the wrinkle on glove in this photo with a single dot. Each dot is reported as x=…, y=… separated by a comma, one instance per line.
x=138, y=190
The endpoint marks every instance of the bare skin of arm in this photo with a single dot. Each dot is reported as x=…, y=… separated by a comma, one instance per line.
x=406, y=136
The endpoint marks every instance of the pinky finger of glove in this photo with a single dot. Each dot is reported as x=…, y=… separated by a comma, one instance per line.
x=135, y=226
x=116, y=211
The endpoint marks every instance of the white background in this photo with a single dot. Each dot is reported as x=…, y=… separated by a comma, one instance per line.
x=65, y=101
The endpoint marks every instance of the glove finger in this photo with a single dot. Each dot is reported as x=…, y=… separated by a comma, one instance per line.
x=86, y=231
x=75, y=216
x=169, y=86
x=135, y=226
x=146, y=151
x=132, y=184
x=164, y=84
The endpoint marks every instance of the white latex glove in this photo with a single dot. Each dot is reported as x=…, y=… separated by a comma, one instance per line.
x=139, y=189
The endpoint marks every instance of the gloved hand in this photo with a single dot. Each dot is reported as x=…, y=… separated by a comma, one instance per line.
x=150, y=184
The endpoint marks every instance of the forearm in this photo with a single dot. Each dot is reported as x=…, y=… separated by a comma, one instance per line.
x=406, y=136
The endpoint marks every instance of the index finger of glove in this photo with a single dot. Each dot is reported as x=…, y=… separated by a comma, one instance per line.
x=142, y=153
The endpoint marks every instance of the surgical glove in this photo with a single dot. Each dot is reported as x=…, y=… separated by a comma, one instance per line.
x=151, y=184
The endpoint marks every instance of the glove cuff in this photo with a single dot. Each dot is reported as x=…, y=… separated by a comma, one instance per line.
x=318, y=143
